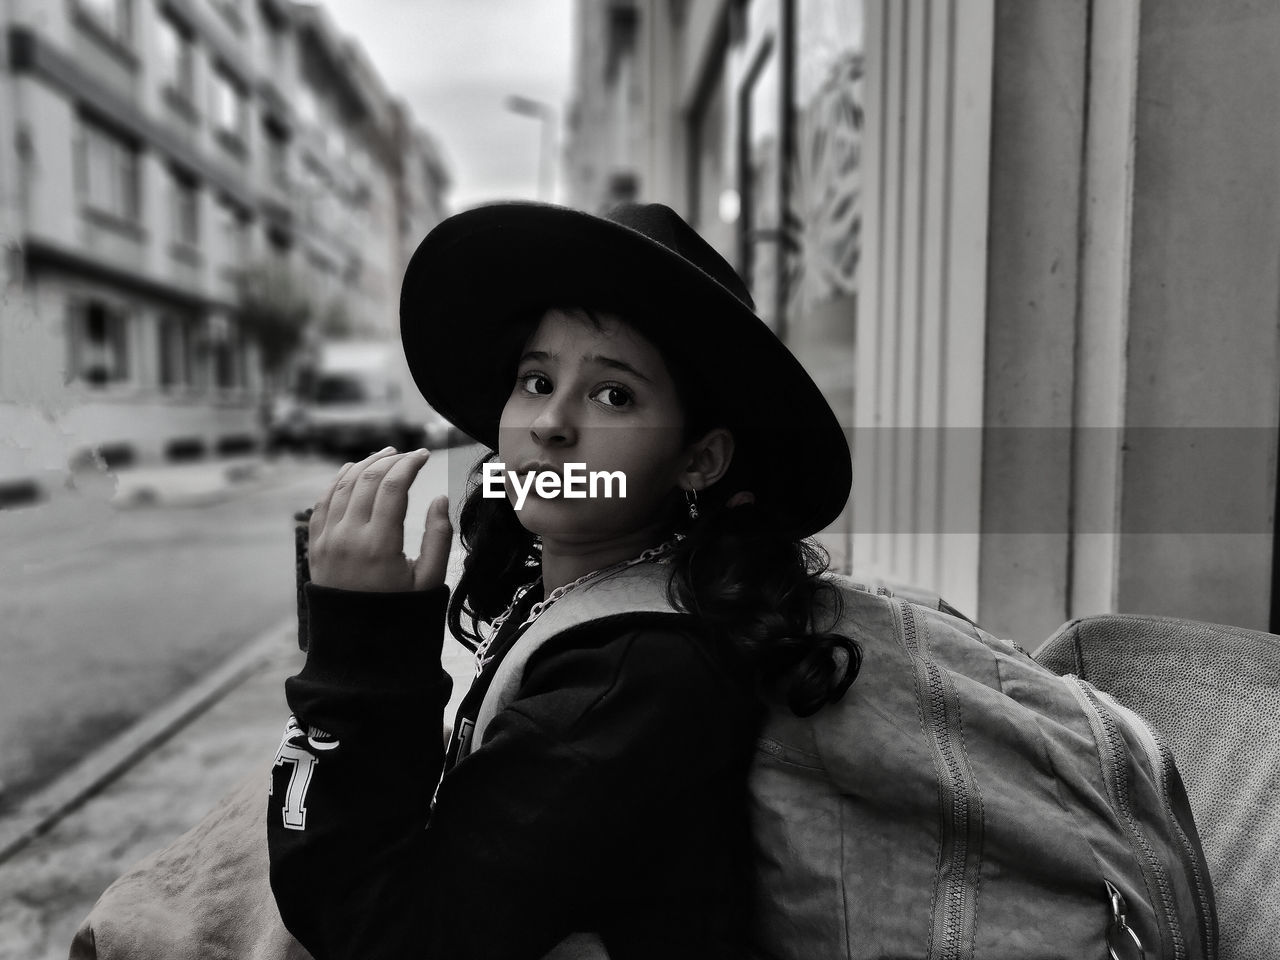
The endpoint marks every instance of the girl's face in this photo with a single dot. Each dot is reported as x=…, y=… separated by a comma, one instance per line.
x=599, y=397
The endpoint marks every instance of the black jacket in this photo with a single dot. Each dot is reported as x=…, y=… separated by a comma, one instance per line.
x=610, y=796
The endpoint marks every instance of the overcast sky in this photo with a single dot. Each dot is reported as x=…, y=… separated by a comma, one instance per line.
x=456, y=62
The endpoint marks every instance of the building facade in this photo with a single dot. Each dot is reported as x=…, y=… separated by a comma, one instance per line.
x=696, y=105
x=160, y=157
x=1026, y=246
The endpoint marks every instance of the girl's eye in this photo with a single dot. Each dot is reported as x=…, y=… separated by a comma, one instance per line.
x=614, y=396
x=531, y=382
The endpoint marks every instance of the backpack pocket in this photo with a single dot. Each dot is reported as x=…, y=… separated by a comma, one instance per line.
x=1176, y=809
x=1150, y=805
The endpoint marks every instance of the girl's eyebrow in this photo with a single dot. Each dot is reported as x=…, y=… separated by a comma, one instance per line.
x=588, y=358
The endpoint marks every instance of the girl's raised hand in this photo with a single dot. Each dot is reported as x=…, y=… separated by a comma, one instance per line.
x=357, y=529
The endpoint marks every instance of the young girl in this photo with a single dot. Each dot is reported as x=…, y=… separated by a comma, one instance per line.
x=604, y=791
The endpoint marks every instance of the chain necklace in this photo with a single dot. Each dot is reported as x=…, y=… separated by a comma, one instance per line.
x=481, y=653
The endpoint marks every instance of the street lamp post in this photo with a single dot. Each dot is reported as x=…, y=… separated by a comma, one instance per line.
x=546, y=115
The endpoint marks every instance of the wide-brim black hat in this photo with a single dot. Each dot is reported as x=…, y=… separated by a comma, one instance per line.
x=475, y=280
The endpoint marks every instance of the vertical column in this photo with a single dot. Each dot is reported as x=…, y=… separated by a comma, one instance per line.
x=1202, y=391
x=1102, y=317
x=918, y=395
x=913, y=111
x=144, y=364
x=1037, y=139
x=935, y=221
x=155, y=198
x=1135, y=231
x=867, y=543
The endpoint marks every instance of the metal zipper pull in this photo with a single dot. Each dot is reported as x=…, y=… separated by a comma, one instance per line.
x=1118, y=946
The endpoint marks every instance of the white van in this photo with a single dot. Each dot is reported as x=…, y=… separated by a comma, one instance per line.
x=354, y=397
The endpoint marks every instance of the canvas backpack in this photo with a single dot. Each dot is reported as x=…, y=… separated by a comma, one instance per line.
x=960, y=801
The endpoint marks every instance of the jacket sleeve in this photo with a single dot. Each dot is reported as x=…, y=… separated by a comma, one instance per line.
x=528, y=838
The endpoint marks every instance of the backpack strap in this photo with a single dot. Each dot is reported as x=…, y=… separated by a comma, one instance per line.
x=638, y=589
x=917, y=595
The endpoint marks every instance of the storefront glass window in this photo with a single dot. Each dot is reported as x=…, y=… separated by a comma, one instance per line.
x=99, y=344
x=796, y=73
x=760, y=141
x=825, y=182
x=711, y=171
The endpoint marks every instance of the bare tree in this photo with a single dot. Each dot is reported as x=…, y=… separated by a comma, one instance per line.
x=275, y=310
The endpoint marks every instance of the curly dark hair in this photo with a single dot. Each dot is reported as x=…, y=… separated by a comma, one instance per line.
x=754, y=587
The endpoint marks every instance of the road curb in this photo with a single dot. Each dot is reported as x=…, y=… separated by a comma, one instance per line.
x=191, y=483
x=42, y=810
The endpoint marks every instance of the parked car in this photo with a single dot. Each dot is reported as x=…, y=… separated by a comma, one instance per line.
x=350, y=399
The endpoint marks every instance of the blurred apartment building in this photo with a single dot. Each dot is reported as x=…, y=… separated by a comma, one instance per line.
x=154, y=156
x=1028, y=249
x=695, y=104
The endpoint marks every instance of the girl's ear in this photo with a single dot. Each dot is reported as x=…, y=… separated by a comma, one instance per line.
x=709, y=458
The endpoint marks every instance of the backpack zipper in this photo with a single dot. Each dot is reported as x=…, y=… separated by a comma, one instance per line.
x=1116, y=778
x=957, y=802
x=1119, y=929
x=1161, y=760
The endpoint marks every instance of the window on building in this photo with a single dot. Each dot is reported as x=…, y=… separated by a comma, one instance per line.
x=176, y=345
x=308, y=106
x=825, y=215
x=710, y=154
x=275, y=40
x=278, y=247
x=99, y=343
x=620, y=36
x=277, y=154
x=226, y=364
x=231, y=11
x=323, y=276
x=177, y=59
x=229, y=110
x=760, y=179
x=184, y=209
x=233, y=232
x=313, y=194
x=114, y=17
x=108, y=171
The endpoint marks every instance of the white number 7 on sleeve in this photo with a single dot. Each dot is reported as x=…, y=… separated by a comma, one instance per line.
x=304, y=763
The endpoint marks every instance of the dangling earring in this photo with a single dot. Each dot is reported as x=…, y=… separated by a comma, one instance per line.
x=691, y=496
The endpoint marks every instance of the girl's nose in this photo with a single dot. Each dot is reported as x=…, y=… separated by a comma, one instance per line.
x=553, y=426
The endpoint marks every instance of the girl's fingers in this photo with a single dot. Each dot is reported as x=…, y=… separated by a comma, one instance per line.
x=392, y=496
x=344, y=486
x=437, y=537
x=364, y=491
x=321, y=510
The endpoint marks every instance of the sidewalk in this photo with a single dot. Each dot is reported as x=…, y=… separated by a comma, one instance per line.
x=49, y=885
x=169, y=484
x=201, y=481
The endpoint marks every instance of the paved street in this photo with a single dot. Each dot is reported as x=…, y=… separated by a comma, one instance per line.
x=106, y=612
x=48, y=886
